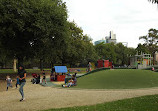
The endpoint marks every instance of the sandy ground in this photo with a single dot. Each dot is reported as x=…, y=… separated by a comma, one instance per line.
x=40, y=98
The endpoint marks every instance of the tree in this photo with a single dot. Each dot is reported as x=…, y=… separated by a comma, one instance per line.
x=154, y=1
x=151, y=41
x=142, y=48
x=25, y=26
x=79, y=47
x=91, y=54
x=121, y=52
x=106, y=51
x=117, y=53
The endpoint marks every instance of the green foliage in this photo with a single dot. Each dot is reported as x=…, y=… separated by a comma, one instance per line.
x=117, y=53
x=142, y=48
x=79, y=47
x=106, y=51
x=144, y=103
x=26, y=26
x=154, y=1
x=39, y=30
x=118, y=79
x=151, y=41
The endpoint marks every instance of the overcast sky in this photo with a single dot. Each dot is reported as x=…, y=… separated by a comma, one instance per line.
x=128, y=19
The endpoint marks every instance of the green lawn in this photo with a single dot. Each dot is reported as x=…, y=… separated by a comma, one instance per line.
x=119, y=79
x=145, y=103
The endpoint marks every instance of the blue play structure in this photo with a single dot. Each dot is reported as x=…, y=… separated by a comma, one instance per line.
x=60, y=69
x=59, y=74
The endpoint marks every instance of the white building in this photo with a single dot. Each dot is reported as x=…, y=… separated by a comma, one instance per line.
x=111, y=38
x=108, y=39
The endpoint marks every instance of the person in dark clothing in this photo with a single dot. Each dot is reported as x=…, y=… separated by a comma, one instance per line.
x=38, y=79
x=22, y=80
x=44, y=77
x=52, y=76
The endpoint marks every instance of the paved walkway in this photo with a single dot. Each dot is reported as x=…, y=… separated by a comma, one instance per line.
x=40, y=98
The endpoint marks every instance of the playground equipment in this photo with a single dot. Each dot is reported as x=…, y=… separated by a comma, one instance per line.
x=141, y=61
x=59, y=74
x=104, y=63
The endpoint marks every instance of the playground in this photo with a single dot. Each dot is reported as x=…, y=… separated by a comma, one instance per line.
x=89, y=91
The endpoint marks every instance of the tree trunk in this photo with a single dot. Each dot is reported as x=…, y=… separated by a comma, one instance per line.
x=153, y=58
x=20, y=61
x=14, y=65
x=41, y=64
x=52, y=64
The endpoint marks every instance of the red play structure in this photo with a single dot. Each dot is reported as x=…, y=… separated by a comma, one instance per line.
x=104, y=63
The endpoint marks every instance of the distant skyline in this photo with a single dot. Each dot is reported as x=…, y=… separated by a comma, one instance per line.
x=128, y=19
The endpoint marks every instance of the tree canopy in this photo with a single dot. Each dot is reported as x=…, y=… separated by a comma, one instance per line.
x=116, y=53
x=26, y=25
x=154, y=1
x=150, y=42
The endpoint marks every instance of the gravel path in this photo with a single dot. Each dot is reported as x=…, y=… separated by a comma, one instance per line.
x=40, y=98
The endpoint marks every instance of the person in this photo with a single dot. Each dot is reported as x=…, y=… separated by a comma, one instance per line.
x=9, y=82
x=153, y=69
x=44, y=76
x=38, y=79
x=74, y=79
x=52, y=75
x=72, y=82
x=89, y=67
x=17, y=82
x=67, y=77
x=22, y=80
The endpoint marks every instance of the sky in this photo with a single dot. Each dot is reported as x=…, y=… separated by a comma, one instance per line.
x=128, y=19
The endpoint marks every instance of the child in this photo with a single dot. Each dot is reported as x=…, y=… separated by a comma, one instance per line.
x=71, y=82
x=44, y=77
x=9, y=81
x=17, y=82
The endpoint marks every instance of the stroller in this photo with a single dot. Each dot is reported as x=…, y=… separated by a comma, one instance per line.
x=36, y=78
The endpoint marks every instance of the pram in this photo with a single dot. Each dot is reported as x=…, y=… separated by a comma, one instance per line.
x=34, y=80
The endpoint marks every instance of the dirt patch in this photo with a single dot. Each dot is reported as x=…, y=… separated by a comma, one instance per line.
x=40, y=98
x=58, y=83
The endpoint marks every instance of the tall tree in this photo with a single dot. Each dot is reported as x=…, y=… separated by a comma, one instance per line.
x=106, y=51
x=79, y=47
x=142, y=48
x=151, y=41
x=117, y=53
x=25, y=25
x=154, y=1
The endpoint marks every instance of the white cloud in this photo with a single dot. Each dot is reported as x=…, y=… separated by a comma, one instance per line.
x=128, y=19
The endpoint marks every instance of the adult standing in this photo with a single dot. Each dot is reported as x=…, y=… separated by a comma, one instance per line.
x=89, y=67
x=22, y=80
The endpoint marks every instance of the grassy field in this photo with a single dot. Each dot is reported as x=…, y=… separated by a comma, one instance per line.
x=119, y=79
x=145, y=103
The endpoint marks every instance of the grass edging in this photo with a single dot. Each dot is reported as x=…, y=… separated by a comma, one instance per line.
x=144, y=103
